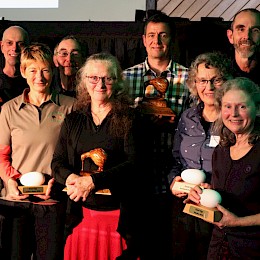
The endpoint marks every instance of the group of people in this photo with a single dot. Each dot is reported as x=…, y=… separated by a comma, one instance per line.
x=110, y=168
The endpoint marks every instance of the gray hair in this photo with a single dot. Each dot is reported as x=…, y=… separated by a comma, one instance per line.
x=211, y=60
x=252, y=90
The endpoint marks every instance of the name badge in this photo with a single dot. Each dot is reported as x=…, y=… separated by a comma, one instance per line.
x=214, y=140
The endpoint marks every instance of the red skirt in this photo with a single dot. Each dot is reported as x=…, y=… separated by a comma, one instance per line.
x=95, y=238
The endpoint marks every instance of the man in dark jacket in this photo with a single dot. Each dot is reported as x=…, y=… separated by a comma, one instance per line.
x=12, y=84
x=244, y=35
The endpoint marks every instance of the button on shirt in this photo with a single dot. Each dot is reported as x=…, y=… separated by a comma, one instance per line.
x=192, y=149
x=176, y=96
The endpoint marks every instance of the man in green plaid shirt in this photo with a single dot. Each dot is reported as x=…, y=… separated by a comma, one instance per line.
x=157, y=39
x=159, y=130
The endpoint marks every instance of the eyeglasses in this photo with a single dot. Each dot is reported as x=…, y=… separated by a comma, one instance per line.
x=204, y=82
x=96, y=79
x=64, y=53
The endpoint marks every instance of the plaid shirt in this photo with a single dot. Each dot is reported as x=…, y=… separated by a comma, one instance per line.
x=176, y=74
x=176, y=95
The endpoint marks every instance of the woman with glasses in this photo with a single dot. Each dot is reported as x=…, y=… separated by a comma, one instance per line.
x=29, y=127
x=94, y=160
x=235, y=172
x=193, y=145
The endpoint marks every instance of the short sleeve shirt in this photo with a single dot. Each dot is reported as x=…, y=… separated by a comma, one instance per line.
x=32, y=132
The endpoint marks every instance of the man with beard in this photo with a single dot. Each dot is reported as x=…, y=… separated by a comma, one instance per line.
x=68, y=59
x=14, y=39
x=244, y=34
x=158, y=37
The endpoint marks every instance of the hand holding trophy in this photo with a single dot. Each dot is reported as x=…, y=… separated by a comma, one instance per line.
x=190, y=178
x=207, y=207
x=98, y=156
x=32, y=183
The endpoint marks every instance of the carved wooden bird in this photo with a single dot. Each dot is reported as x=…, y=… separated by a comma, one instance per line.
x=161, y=84
x=98, y=156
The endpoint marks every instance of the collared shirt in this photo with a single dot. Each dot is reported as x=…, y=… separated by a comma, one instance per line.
x=194, y=143
x=32, y=132
x=176, y=96
x=176, y=74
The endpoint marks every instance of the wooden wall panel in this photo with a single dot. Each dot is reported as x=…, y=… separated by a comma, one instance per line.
x=162, y=3
x=196, y=9
x=206, y=9
x=193, y=9
x=171, y=6
x=181, y=8
x=252, y=4
x=221, y=8
x=233, y=9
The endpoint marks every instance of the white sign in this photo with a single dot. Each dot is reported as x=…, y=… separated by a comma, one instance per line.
x=29, y=3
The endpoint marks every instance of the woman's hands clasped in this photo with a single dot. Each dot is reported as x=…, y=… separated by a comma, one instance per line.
x=79, y=186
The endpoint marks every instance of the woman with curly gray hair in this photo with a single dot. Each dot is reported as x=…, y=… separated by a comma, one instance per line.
x=95, y=160
x=193, y=145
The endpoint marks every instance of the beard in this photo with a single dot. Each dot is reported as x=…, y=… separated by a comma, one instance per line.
x=246, y=48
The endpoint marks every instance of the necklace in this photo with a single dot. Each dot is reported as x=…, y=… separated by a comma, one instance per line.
x=100, y=114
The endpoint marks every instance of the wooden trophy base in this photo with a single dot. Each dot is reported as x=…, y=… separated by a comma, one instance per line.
x=100, y=192
x=183, y=186
x=35, y=190
x=103, y=192
x=150, y=109
x=207, y=214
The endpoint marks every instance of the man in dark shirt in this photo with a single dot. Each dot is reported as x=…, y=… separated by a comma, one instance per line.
x=68, y=59
x=244, y=35
x=12, y=84
x=14, y=39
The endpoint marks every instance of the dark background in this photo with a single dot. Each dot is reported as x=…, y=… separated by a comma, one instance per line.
x=124, y=39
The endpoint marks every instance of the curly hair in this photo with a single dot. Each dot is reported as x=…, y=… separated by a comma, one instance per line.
x=211, y=60
x=227, y=138
x=120, y=100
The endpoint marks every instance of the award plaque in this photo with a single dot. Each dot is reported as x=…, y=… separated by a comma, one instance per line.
x=183, y=186
x=190, y=178
x=32, y=183
x=205, y=213
x=99, y=157
x=35, y=190
x=156, y=105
